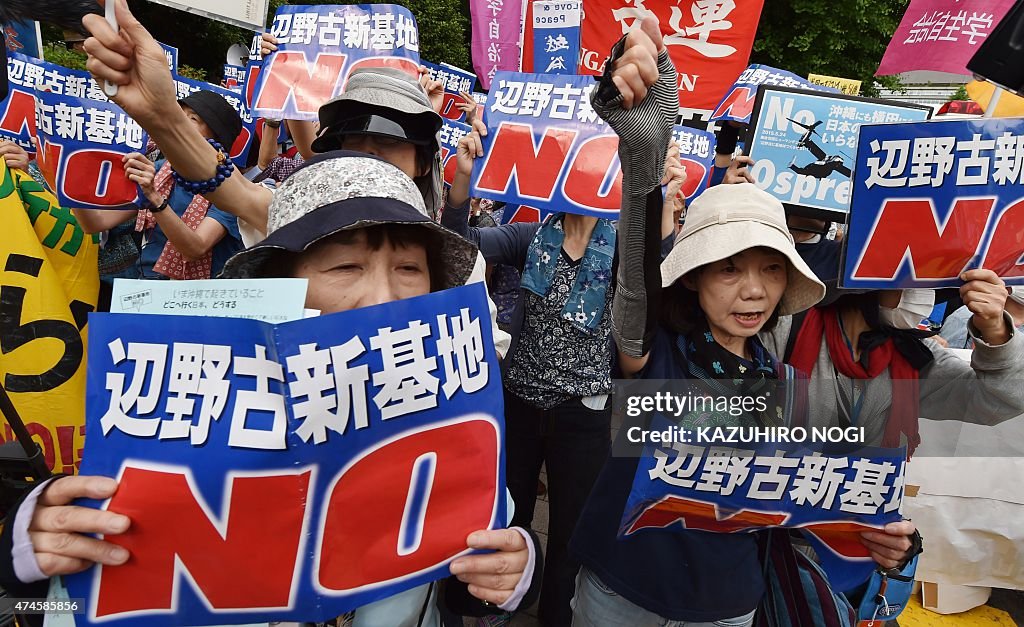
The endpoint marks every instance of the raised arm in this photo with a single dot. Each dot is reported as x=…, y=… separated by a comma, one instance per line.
x=268, y=143
x=303, y=133
x=506, y=244
x=638, y=98
x=134, y=61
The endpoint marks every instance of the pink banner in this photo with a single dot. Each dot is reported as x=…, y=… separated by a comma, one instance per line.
x=941, y=35
x=497, y=27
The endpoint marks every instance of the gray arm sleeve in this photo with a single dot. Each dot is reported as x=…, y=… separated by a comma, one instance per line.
x=644, y=133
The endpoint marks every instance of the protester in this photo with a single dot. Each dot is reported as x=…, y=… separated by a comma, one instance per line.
x=325, y=226
x=733, y=271
x=271, y=164
x=382, y=112
x=866, y=372
x=557, y=374
x=194, y=239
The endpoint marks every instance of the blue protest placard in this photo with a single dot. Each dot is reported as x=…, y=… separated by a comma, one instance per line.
x=187, y=86
x=233, y=77
x=546, y=148
x=455, y=80
x=451, y=134
x=319, y=46
x=356, y=451
x=24, y=38
x=738, y=103
x=172, y=57
x=17, y=111
x=556, y=36
x=697, y=154
x=82, y=144
x=805, y=142
x=729, y=488
x=931, y=200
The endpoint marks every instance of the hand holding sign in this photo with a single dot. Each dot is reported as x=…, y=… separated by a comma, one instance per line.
x=132, y=60
x=141, y=171
x=14, y=155
x=889, y=547
x=469, y=106
x=268, y=44
x=984, y=294
x=674, y=179
x=637, y=69
x=738, y=171
x=493, y=577
x=434, y=89
x=57, y=528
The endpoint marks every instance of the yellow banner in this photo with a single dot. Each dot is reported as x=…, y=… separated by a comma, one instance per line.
x=848, y=86
x=1010, y=106
x=49, y=283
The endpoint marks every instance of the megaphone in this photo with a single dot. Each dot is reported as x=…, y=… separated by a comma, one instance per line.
x=237, y=55
x=1000, y=58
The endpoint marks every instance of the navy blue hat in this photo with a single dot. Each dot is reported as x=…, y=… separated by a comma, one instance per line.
x=218, y=114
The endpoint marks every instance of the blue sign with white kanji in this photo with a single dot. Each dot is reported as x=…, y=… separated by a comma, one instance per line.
x=689, y=483
x=547, y=148
x=82, y=146
x=697, y=154
x=320, y=45
x=455, y=80
x=357, y=451
x=932, y=200
x=556, y=37
x=171, y=53
x=17, y=111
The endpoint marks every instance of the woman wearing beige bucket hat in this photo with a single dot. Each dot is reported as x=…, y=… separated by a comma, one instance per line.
x=733, y=271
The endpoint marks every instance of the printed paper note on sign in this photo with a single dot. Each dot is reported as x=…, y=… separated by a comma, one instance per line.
x=804, y=143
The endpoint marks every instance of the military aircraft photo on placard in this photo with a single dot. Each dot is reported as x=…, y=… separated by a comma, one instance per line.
x=826, y=164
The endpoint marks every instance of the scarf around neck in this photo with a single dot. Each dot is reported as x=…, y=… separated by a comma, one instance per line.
x=722, y=373
x=586, y=303
x=171, y=262
x=880, y=350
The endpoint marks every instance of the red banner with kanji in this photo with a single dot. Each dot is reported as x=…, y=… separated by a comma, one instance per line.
x=709, y=40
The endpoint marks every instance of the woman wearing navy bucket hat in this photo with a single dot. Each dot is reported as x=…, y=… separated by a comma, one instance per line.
x=186, y=237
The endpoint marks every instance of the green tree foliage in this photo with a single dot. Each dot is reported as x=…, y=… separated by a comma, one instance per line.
x=959, y=94
x=58, y=53
x=844, y=38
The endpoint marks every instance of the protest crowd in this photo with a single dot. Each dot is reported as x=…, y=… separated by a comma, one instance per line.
x=484, y=281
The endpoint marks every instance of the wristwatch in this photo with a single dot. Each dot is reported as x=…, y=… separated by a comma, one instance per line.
x=162, y=206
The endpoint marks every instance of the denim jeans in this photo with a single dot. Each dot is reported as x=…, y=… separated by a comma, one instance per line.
x=597, y=605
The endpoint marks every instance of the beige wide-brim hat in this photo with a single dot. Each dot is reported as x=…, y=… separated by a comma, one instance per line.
x=728, y=219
